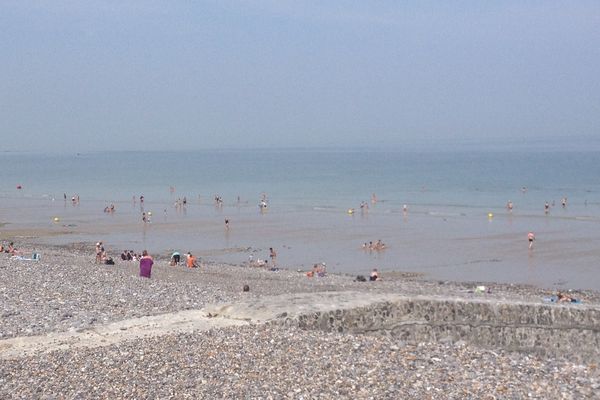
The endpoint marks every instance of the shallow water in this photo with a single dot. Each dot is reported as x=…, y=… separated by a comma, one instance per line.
x=446, y=232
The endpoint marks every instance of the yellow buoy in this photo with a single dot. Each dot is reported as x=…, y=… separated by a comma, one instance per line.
x=56, y=219
x=149, y=212
x=350, y=211
x=490, y=215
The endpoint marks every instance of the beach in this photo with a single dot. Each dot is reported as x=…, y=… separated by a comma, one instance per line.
x=445, y=232
x=66, y=292
x=464, y=309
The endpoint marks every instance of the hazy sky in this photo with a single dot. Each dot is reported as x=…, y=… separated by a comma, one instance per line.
x=98, y=75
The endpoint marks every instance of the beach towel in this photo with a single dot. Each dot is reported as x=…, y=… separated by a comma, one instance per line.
x=21, y=258
x=554, y=299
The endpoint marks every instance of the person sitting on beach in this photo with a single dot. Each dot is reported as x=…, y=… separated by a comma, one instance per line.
x=314, y=271
x=146, y=263
x=98, y=252
x=12, y=249
x=564, y=298
x=103, y=255
x=317, y=270
x=123, y=256
x=191, y=261
x=374, y=275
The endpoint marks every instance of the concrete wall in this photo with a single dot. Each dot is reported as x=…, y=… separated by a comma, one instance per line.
x=568, y=330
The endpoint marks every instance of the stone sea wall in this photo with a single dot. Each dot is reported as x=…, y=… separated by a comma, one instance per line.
x=570, y=330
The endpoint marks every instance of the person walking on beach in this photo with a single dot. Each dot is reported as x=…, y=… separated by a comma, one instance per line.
x=531, y=238
x=146, y=265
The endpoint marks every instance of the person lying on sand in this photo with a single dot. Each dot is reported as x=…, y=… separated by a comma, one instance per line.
x=565, y=298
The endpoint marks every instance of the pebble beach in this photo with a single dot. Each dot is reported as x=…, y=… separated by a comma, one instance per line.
x=66, y=291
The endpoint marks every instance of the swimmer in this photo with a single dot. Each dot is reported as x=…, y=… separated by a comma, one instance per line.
x=226, y=223
x=405, y=208
x=546, y=208
x=530, y=238
x=509, y=206
x=564, y=202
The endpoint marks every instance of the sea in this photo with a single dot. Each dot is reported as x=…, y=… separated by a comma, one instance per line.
x=440, y=212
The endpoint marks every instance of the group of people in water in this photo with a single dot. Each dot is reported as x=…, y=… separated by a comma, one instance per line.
x=377, y=246
x=547, y=206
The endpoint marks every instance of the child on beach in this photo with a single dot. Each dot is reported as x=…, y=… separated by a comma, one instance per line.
x=191, y=261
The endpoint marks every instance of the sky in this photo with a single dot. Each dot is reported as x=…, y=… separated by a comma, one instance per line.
x=146, y=75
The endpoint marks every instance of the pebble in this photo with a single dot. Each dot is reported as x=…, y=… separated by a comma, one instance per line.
x=240, y=363
x=259, y=361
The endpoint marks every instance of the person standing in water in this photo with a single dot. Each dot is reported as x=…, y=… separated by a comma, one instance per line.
x=530, y=238
x=146, y=263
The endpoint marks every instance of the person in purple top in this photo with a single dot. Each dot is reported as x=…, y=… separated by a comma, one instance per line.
x=146, y=265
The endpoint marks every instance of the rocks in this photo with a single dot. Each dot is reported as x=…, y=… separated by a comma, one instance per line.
x=280, y=362
x=69, y=292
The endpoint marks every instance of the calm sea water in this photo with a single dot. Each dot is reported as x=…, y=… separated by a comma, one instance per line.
x=446, y=232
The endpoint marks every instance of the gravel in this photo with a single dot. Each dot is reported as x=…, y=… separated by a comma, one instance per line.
x=67, y=290
x=275, y=362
